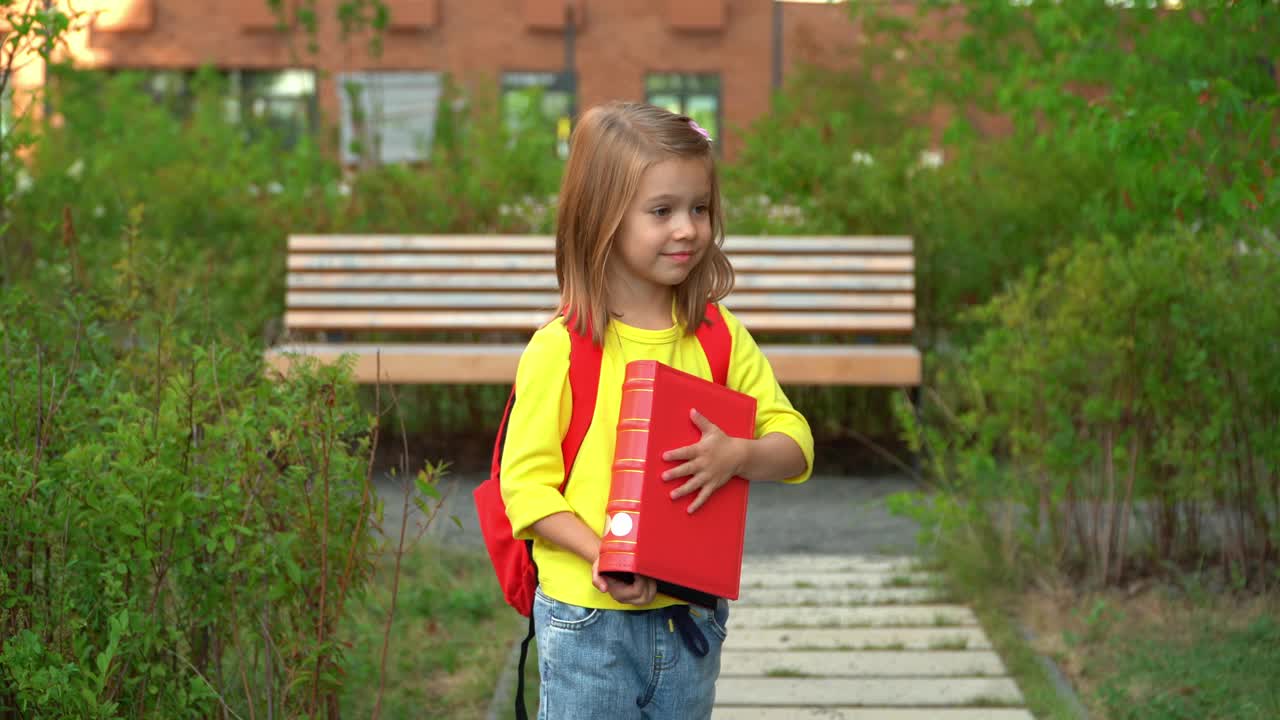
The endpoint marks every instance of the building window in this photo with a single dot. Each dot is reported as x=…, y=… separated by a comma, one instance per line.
x=170, y=89
x=280, y=102
x=695, y=95
x=276, y=102
x=539, y=102
x=388, y=117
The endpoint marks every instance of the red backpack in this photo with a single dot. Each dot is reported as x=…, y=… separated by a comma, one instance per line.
x=513, y=559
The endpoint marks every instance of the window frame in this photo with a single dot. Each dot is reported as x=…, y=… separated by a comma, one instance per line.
x=239, y=94
x=549, y=82
x=683, y=93
x=375, y=114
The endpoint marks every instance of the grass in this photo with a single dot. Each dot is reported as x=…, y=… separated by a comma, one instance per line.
x=1212, y=671
x=1021, y=661
x=449, y=641
x=783, y=672
x=845, y=647
x=531, y=681
x=966, y=574
x=956, y=643
x=1165, y=654
x=990, y=701
x=1149, y=652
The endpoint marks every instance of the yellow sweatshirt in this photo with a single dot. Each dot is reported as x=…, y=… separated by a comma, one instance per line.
x=532, y=464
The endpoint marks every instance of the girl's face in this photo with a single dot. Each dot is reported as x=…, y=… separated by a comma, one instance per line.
x=666, y=230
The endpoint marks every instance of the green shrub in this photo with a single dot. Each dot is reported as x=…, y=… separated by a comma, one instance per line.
x=213, y=202
x=181, y=532
x=1125, y=386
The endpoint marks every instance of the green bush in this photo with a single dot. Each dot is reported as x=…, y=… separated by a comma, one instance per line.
x=213, y=202
x=181, y=532
x=1125, y=386
x=1120, y=122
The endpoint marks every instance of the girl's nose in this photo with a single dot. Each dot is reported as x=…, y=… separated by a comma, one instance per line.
x=685, y=227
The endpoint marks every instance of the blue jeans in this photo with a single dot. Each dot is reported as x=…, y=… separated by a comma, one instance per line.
x=619, y=664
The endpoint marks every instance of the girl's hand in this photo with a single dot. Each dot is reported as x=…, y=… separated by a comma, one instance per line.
x=640, y=591
x=712, y=462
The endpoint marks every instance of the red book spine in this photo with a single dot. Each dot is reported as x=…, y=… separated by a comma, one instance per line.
x=622, y=524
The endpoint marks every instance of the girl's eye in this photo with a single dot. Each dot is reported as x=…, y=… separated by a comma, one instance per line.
x=662, y=211
x=700, y=210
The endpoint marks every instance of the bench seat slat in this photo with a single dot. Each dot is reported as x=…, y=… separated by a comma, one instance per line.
x=805, y=244
x=481, y=320
x=882, y=365
x=550, y=300
x=406, y=262
x=547, y=281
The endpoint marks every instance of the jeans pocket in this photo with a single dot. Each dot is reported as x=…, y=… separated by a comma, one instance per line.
x=717, y=618
x=565, y=616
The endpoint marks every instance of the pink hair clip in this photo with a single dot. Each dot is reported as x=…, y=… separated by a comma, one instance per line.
x=700, y=130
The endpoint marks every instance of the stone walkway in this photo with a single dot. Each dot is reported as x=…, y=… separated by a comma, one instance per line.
x=856, y=638
x=832, y=622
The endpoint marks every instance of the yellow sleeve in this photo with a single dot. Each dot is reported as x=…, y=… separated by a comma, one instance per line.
x=532, y=463
x=750, y=373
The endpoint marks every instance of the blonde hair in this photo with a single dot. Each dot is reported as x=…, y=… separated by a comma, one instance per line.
x=611, y=148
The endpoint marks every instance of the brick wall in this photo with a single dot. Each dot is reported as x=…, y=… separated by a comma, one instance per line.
x=473, y=40
x=618, y=43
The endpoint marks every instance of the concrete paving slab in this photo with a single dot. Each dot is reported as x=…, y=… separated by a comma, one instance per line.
x=871, y=663
x=870, y=713
x=749, y=616
x=837, y=597
x=848, y=579
x=885, y=692
x=967, y=638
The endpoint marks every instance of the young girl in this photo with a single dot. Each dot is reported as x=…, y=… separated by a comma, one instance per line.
x=638, y=258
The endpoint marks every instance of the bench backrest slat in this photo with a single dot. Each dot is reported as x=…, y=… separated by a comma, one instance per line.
x=505, y=283
x=796, y=282
x=542, y=262
x=736, y=244
x=549, y=300
x=509, y=320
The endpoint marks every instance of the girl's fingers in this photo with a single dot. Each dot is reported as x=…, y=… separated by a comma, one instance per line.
x=703, y=496
x=640, y=592
x=688, y=452
x=694, y=483
x=679, y=471
x=702, y=422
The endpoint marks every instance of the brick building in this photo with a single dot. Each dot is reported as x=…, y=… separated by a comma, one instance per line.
x=717, y=60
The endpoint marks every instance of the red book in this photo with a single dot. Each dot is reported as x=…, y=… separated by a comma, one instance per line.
x=695, y=557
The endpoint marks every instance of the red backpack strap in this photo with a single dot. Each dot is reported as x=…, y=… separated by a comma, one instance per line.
x=584, y=383
x=717, y=344
x=495, y=465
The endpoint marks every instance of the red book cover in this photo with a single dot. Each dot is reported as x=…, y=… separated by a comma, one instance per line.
x=695, y=557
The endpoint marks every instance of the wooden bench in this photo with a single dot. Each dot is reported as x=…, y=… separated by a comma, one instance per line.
x=473, y=301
